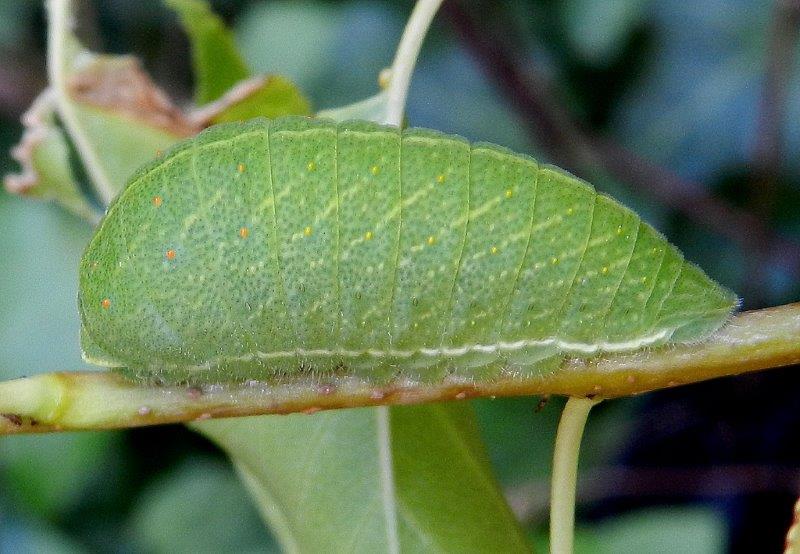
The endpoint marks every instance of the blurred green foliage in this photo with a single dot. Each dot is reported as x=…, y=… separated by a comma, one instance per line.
x=677, y=82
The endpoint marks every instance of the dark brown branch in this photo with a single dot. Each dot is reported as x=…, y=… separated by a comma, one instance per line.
x=578, y=150
x=780, y=59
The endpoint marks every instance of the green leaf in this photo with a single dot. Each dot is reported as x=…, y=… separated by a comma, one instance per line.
x=410, y=479
x=218, y=66
x=198, y=508
x=656, y=530
x=598, y=30
x=373, y=108
x=47, y=473
x=272, y=97
x=43, y=153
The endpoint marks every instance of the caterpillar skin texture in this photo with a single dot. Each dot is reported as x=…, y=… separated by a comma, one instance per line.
x=275, y=248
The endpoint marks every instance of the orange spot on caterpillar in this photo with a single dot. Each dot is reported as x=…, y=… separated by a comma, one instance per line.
x=170, y=254
x=106, y=303
x=159, y=153
x=244, y=232
x=157, y=201
x=240, y=168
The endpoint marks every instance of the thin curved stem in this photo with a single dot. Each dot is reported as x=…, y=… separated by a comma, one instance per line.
x=406, y=58
x=565, y=473
x=62, y=48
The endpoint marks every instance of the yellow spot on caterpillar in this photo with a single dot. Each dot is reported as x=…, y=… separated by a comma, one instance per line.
x=368, y=235
x=440, y=178
x=244, y=232
x=493, y=250
x=643, y=280
x=157, y=201
x=307, y=231
x=431, y=240
x=604, y=271
x=509, y=193
x=619, y=230
x=312, y=166
x=554, y=261
x=570, y=211
x=170, y=254
x=240, y=168
x=375, y=169
x=106, y=303
x=472, y=323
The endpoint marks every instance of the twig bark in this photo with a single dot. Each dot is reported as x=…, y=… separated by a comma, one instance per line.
x=101, y=400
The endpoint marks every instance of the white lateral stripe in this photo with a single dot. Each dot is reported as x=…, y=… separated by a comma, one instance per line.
x=448, y=351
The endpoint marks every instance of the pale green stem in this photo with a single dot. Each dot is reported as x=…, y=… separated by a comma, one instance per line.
x=97, y=400
x=565, y=473
x=406, y=58
x=62, y=49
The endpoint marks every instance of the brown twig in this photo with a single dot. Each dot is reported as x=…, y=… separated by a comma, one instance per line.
x=567, y=144
x=100, y=400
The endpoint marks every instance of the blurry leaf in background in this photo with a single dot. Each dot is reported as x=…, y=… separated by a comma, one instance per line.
x=334, y=53
x=688, y=530
x=200, y=506
x=222, y=87
x=598, y=30
x=39, y=324
x=32, y=536
x=373, y=108
x=48, y=473
x=43, y=153
x=272, y=96
x=290, y=38
x=215, y=57
x=322, y=486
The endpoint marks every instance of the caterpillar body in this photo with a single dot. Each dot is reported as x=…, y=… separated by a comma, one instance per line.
x=275, y=248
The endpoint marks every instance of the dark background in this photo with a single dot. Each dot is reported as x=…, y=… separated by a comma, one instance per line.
x=685, y=111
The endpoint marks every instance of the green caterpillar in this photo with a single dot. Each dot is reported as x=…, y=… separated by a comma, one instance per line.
x=274, y=248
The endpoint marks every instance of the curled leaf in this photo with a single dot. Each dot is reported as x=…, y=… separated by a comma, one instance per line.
x=43, y=153
x=119, y=85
